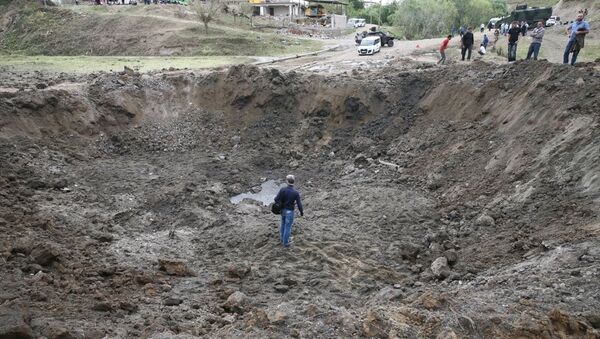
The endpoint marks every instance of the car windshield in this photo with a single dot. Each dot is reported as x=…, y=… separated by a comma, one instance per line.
x=367, y=42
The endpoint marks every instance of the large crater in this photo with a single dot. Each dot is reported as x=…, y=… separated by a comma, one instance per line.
x=116, y=215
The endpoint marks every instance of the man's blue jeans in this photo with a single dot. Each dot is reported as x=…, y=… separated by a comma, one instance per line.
x=567, y=51
x=534, y=49
x=512, y=51
x=285, y=231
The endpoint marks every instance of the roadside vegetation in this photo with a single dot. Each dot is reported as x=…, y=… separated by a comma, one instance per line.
x=419, y=19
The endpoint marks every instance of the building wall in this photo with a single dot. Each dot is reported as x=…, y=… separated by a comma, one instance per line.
x=282, y=11
x=278, y=11
x=338, y=21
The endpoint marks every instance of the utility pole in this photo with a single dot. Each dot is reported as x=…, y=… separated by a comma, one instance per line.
x=380, y=5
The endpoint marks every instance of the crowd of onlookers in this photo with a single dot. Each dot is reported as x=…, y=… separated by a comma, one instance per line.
x=576, y=31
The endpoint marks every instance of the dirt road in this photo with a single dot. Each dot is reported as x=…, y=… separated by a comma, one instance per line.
x=346, y=58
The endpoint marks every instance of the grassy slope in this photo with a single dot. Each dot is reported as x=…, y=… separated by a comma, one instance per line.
x=135, y=30
x=591, y=52
x=87, y=64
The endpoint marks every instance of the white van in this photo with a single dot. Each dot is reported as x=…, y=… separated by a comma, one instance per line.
x=356, y=22
x=493, y=22
x=552, y=21
x=369, y=45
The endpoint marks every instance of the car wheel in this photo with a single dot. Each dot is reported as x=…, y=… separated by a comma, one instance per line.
x=390, y=43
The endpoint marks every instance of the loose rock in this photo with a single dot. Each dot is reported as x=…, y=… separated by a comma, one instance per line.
x=440, y=268
x=376, y=325
x=173, y=302
x=236, y=303
x=485, y=220
x=45, y=254
x=175, y=267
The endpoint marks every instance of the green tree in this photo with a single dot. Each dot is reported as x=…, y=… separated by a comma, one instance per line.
x=500, y=7
x=419, y=19
x=356, y=4
x=475, y=12
x=247, y=11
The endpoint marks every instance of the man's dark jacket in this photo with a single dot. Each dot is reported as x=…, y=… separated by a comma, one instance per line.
x=468, y=40
x=288, y=196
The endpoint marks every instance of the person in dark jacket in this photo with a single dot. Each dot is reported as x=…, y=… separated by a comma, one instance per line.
x=288, y=197
x=485, y=41
x=524, y=27
x=467, y=44
x=513, y=37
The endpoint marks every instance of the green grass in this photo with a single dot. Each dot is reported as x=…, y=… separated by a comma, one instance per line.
x=136, y=30
x=522, y=49
x=591, y=52
x=88, y=64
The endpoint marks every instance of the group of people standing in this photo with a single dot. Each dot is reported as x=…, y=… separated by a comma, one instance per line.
x=505, y=27
x=576, y=32
x=467, y=40
x=516, y=30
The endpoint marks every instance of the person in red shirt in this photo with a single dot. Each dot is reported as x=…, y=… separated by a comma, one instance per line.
x=443, y=47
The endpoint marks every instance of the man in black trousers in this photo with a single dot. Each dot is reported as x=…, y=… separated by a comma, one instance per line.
x=467, y=44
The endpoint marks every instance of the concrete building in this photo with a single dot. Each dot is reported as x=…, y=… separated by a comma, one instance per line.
x=282, y=8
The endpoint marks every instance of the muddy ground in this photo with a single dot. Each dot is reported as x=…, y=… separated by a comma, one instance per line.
x=455, y=202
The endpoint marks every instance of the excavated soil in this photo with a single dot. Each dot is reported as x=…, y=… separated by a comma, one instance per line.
x=456, y=202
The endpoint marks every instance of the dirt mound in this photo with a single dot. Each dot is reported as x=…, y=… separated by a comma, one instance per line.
x=454, y=202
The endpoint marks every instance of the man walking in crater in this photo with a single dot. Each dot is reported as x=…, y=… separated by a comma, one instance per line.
x=288, y=197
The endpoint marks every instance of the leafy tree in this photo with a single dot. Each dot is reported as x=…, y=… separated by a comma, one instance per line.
x=207, y=10
x=475, y=12
x=356, y=4
x=247, y=10
x=428, y=18
x=425, y=18
x=500, y=8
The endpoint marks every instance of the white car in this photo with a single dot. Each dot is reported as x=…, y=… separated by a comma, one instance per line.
x=355, y=22
x=554, y=20
x=369, y=45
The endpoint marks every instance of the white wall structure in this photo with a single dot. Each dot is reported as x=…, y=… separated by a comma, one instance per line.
x=281, y=8
x=338, y=21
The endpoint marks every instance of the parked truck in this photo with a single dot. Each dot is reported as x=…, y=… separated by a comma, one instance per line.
x=531, y=15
